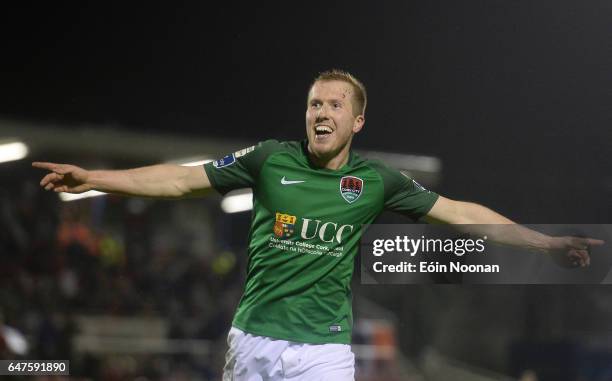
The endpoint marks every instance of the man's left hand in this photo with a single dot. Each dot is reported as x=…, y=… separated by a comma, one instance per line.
x=576, y=250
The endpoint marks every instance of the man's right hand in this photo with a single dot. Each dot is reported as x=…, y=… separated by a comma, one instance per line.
x=168, y=181
x=64, y=177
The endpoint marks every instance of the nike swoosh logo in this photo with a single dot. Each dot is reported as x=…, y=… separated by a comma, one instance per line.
x=289, y=182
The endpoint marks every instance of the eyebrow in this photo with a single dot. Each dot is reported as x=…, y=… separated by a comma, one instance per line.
x=330, y=101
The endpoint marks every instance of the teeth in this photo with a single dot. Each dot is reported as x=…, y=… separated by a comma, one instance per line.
x=324, y=129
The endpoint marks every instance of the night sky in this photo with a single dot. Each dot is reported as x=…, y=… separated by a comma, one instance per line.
x=514, y=96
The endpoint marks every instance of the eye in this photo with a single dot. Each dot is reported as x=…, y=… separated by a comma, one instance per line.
x=337, y=105
x=315, y=104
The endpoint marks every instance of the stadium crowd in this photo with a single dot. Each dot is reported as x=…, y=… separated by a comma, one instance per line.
x=118, y=257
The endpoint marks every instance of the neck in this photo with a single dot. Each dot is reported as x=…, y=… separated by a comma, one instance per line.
x=334, y=162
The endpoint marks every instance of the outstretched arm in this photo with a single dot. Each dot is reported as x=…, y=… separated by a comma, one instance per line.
x=483, y=221
x=160, y=181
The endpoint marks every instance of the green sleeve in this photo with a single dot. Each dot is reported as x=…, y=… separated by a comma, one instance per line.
x=240, y=169
x=404, y=195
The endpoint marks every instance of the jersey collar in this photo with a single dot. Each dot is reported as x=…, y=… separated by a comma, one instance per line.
x=346, y=166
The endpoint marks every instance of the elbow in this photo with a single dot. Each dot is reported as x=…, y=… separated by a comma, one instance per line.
x=177, y=190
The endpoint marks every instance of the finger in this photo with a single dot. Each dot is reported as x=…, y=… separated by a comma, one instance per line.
x=588, y=259
x=46, y=180
x=50, y=178
x=44, y=165
x=579, y=257
x=49, y=186
x=67, y=189
x=584, y=258
x=594, y=242
x=57, y=168
x=584, y=243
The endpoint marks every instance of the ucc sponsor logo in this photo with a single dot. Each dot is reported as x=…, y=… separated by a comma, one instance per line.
x=326, y=231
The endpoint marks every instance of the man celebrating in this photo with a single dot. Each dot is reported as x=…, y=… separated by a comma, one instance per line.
x=310, y=199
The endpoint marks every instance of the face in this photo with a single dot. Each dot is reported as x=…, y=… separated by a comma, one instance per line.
x=330, y=123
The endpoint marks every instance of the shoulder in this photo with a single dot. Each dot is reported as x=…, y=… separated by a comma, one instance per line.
x=254, y=157
x=387, y=173
x=393, y=179
x=259, y=152
x=273, y=146
x=281, y=150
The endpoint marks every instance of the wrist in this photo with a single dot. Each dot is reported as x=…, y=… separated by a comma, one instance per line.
x=541, y=243
x=93, y=180
x=550, y=244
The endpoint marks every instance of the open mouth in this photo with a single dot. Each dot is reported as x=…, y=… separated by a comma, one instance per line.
x=323, y=131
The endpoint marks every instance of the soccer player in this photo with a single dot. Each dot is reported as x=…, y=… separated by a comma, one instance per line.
x=310, y=199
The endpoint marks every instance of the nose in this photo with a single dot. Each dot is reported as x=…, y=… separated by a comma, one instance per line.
x=322, y=112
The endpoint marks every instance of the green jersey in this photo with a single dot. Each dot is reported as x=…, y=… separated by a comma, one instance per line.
x=305, y=231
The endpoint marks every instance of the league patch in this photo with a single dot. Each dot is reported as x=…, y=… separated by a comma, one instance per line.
x=284, y=225
x=244, y=151
x=225, y=161
x=351, y=188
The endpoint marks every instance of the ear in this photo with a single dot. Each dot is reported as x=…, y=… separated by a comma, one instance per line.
x=358, y=124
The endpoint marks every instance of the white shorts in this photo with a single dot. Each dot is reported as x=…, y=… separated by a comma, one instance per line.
x=259, y=358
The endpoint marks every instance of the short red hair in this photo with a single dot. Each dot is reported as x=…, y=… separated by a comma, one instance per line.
x=360, y=98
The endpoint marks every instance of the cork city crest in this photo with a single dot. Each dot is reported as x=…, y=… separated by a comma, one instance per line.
x=351, y=188
x=284, y=225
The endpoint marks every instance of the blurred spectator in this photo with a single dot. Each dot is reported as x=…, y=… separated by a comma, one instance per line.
x=119, y=256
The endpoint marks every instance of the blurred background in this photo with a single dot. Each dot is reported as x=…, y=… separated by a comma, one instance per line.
x=502, y=103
